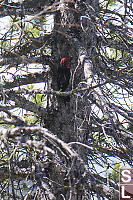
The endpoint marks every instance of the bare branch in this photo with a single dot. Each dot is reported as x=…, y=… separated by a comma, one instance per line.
x=22, y=102
x=17, y=81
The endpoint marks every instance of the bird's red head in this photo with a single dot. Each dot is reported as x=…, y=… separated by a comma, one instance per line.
x=66, y=62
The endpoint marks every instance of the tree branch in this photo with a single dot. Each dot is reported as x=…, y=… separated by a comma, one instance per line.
x=18, y=80
x=22, y=102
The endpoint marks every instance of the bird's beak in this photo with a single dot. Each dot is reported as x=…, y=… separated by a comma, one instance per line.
x=68, y=66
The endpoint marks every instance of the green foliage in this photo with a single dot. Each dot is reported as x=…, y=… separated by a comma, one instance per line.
x=114, y=54
x=4, y=159
x=38, y=98
x=5, y=44
x=121, y=58
x=15, y=23
x=114, y=175
x=32, y=30
x=127, y=59
x=30, y=119
x=3, y=125
x=30, y=86
x=110, y=2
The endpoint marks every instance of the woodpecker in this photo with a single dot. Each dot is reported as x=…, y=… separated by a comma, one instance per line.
x=63, y=74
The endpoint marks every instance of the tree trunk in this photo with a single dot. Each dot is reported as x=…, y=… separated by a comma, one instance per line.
x=70, y=120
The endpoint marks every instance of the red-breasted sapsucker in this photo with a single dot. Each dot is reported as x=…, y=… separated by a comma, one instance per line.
x=63, y=74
